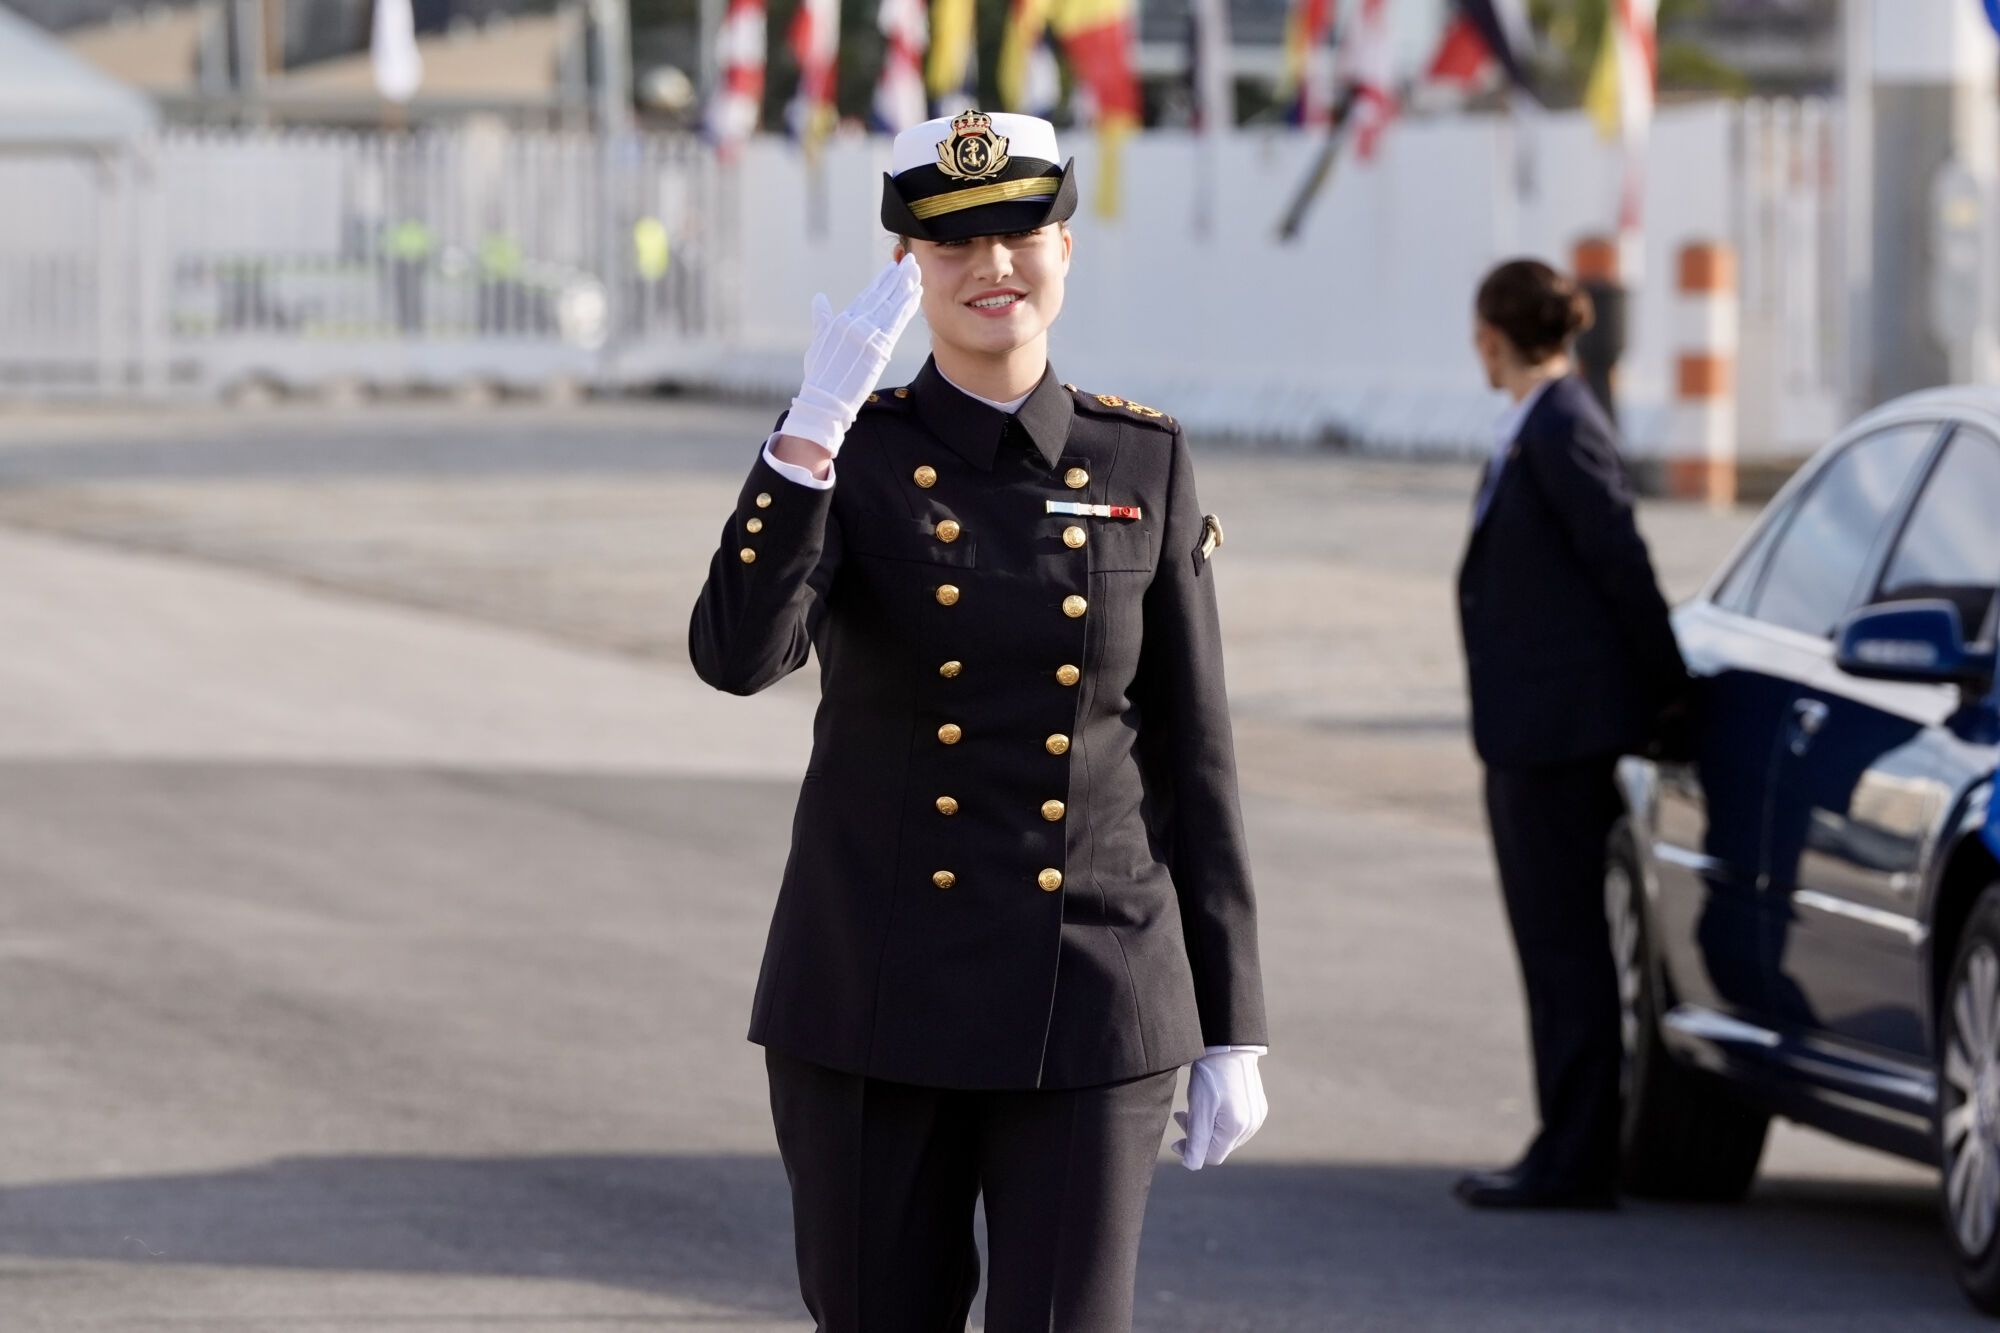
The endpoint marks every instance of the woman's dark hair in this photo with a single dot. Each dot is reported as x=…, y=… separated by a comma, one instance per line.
x=1536, y=308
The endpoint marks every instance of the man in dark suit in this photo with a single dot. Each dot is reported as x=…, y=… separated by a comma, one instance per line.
x=1571, y=662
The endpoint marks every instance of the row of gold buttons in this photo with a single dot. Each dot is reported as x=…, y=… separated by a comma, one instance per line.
x=754, y=525
x=1076, y=478
x=948, y=531
x=1050, y=879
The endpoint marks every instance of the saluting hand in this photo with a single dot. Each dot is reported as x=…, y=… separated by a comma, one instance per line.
x=850, y=351
x=1225, y=1106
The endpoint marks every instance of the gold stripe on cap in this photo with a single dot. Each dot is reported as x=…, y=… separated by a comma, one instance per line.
x=1000, y=192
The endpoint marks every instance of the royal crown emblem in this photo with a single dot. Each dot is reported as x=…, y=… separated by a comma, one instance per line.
x=974, y=151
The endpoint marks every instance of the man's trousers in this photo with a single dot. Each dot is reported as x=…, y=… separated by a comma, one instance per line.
x=1550, y=827
x=885, y=1176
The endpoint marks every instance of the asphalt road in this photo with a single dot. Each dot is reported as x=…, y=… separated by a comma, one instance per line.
x=383, y=898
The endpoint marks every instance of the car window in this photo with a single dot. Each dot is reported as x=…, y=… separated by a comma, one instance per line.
x=1951, y=546
x=1815, y=568
x=1740, y=588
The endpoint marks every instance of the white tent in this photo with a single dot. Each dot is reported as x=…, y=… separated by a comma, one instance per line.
x=51, y=98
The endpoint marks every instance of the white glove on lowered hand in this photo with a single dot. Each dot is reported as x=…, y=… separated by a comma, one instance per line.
x=849, y=352
x=1225, y=1106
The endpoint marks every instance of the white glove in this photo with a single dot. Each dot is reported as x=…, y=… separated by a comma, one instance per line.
x=1225, y=1106
x=850, y=351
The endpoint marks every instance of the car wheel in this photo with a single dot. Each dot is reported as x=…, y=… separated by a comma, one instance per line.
x=1968, y=1120
x=1686, y=1134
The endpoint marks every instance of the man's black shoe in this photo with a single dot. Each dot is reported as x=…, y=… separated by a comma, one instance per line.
x=1515, y=1189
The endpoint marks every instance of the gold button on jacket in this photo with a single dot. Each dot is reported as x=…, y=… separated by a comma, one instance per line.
x=747, y=556
x=754, y=526
x=997, y=738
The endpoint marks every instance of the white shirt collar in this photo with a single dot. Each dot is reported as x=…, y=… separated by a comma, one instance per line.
x=1009, y=408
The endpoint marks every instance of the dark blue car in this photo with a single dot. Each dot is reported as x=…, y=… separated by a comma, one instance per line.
x=1806, y=912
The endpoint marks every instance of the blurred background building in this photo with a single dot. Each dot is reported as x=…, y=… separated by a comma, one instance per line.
x=224, y=196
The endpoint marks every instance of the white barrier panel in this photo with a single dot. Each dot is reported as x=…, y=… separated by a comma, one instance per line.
x=1360, y=329
x=475, y=254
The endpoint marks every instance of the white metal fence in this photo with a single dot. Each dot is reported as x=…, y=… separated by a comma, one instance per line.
x=203, y=259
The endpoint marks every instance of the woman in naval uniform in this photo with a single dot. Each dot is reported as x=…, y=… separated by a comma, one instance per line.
x=1018, y=898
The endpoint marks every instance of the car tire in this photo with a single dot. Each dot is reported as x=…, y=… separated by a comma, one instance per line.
x=1686, y=1134
x=1968, y=1115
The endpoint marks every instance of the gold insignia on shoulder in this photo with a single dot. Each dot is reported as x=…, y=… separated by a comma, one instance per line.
x=1140, y=409
x=973, y=152
x=1211, y=536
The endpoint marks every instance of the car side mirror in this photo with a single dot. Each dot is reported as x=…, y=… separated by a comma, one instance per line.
x=1918, y=641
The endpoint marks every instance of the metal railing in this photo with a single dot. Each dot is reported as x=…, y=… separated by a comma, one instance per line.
x=203, y=259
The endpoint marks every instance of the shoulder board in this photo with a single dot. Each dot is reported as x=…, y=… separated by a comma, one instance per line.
x=1111, y=405
x=882, y=398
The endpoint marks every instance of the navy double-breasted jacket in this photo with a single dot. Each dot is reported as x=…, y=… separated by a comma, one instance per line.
x=1018, y=858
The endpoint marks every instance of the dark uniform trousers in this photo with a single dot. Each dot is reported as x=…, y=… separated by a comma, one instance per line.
x=1550, y=826
x=1018, y=896
x=884, y=1177
x=1571, y=662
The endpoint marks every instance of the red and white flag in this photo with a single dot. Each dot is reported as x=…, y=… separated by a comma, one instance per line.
x=816, y=46
x=1367, y=61
x=1461, y=60
x=899, y=93
x=739, y=95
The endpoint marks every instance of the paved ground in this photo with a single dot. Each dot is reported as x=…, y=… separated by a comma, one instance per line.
x=384, y=896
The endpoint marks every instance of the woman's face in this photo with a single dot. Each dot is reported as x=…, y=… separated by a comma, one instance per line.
x=992, y=294
x=1496, y=353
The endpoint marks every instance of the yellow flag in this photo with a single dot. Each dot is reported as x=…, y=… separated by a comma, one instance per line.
x=951, y=46
x=1111, y=137
x=1602, y=96
x=1024, y=29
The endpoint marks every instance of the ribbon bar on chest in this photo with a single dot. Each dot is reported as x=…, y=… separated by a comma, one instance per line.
x=1092, y=511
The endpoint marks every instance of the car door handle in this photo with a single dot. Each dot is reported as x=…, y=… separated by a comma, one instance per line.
x=1808, y=716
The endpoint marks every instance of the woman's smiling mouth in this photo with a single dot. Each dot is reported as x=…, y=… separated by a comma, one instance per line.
x=996, y=303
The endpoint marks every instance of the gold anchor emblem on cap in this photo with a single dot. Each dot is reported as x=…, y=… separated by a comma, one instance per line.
x=973, y=152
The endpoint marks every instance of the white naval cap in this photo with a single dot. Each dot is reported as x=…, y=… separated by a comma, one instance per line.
x=1026, y=136
x=976, y=173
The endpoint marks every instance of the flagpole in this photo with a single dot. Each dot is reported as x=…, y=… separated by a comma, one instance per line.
x=1857, y=230
x=1216, y=103
x=709, y=32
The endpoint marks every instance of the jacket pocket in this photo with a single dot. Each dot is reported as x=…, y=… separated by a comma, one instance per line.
x=1124, y=546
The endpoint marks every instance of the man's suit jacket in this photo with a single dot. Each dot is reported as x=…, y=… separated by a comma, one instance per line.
x=1017, y=859
x=1568, y=649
